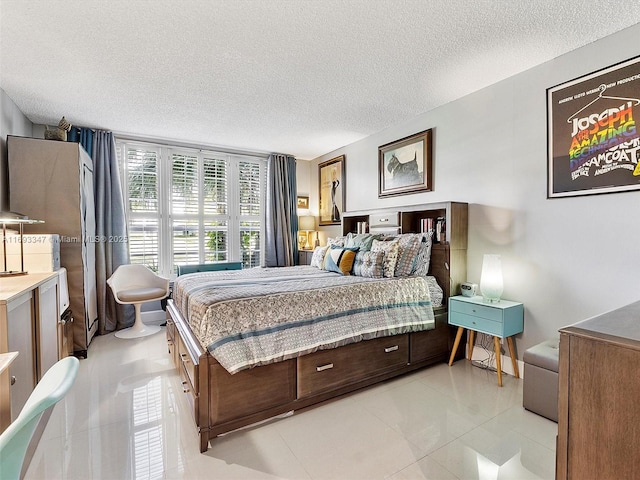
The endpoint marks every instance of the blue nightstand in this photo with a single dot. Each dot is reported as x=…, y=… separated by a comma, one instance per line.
x=502, y=319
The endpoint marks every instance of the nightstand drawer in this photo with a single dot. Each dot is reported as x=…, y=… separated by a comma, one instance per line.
x=478, y=324
x=476, y=310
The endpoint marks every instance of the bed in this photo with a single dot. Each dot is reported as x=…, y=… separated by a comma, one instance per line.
x=253, y=344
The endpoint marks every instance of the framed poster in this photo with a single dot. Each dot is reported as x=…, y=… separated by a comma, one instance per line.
x=593, y=140
x=404, y=166
x=331, y=175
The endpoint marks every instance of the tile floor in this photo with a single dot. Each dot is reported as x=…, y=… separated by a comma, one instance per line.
x=126, y=418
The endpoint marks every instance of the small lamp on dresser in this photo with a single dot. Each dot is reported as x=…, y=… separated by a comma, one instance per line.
x=306, y=224
x=13, y=218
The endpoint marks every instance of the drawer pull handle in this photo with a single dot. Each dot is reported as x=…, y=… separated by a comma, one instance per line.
x=391, y=349
x=324, y=367
x=384, y=219
x=184, y=357
x=13, y=379
x=185, y=388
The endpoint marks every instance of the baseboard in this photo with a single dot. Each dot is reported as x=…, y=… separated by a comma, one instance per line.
x=154, y=317
x=480, y=354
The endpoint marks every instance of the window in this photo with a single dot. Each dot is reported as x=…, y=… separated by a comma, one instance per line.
x=189, y=206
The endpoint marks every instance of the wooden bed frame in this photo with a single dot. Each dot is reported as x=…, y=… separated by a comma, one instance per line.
x=222, y=402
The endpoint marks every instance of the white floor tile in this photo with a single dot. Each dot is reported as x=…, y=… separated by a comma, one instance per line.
x=127, y=418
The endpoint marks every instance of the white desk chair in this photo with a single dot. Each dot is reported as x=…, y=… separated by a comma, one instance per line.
x=15, y=440
x=134, y=285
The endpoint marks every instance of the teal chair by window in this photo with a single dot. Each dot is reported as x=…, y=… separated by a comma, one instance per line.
x=208, y=267
x=15, y=440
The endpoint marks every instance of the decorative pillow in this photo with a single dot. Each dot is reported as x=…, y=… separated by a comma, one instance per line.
x=408, y=246
x=339, y=260
x=338, y=241
x=361, y=240
x=423, y=259
x=390, y=250
x=318, y=256
x=369, y=264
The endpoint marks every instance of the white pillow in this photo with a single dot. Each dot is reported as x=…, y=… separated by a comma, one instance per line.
x=318, y=256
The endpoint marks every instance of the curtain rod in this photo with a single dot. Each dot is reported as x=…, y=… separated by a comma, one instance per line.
x=177, y=143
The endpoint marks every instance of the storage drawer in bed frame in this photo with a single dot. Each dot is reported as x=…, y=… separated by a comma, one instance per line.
x=186, y=365
x=329, y=369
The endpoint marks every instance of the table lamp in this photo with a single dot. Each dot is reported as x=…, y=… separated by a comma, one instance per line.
x=307, y=224
x=13, y=218
x=491, y=284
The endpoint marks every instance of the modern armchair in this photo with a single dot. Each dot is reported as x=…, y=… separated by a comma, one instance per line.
x=134, y=285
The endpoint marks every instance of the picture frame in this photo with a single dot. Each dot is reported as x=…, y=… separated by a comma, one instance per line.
x=405, y=165
x=593, y=142
x=332, y=189
x=303, y=202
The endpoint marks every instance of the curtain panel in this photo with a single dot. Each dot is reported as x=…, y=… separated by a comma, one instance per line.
x=111, y=226
x=111, y=230
x=281, y=220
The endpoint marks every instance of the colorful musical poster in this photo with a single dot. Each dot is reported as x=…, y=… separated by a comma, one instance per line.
x=593, y=138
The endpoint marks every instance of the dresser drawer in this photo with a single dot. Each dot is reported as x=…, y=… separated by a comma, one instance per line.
x=476, y=323
x=330, y=369
x=476, y=310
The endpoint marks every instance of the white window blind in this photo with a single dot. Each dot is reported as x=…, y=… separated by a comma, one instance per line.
x=142, y=172
x=188, y=206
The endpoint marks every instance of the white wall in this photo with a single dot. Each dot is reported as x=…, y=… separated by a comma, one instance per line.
x=303, y=183
x=12, y=122
x=566, y=259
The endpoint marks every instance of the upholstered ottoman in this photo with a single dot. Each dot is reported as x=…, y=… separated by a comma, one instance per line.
x=540, y=393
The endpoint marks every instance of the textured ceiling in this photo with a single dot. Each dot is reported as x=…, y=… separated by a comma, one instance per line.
x=302, y=77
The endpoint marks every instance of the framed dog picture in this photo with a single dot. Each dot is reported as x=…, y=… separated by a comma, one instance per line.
x=404, y=166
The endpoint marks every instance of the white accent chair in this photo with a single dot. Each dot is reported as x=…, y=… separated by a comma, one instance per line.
x=15, y=440
x=134, y=285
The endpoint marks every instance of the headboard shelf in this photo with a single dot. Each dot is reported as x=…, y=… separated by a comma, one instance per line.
x=448, y=257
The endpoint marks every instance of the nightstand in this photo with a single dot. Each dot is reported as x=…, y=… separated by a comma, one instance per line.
x=502, y=319
x=304, y=257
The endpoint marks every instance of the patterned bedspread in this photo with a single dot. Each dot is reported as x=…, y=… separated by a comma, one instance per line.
x=257, y=316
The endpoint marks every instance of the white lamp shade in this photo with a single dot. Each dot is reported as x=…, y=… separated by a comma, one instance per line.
x=307, y=223
x=491, y=284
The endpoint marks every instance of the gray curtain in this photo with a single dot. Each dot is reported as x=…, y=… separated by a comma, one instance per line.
x=281, y=247
x=111, y=230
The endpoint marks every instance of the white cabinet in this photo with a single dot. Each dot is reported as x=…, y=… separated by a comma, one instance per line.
x=19, y=314
x=47, y=326
x=29, y=325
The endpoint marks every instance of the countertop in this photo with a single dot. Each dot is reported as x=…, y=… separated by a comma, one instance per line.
x=11, y=287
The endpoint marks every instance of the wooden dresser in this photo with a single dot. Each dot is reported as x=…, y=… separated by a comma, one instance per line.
x=599, y=392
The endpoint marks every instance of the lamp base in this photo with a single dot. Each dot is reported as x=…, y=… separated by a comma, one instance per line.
x=490, y=300
x=14, y=273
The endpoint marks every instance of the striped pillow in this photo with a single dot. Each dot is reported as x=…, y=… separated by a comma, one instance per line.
x=408, y=246
x=423, y=259
x=339, y=260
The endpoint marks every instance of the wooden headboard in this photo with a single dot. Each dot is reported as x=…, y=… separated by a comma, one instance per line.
x=448, y=257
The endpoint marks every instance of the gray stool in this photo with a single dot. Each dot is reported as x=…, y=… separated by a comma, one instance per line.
x=540, y=390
